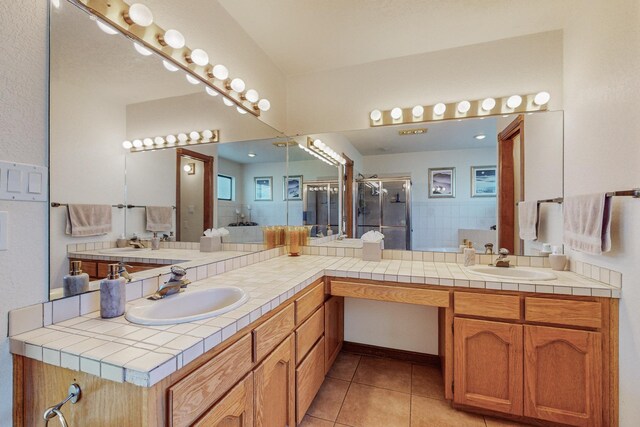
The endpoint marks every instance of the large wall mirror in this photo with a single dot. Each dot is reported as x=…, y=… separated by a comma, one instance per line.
x=104, y=92
x=432, y=186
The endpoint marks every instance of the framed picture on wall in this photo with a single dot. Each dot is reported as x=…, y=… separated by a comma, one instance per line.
x=292, y=187
x=263, y=188
x=484, y=181
x=442, y=182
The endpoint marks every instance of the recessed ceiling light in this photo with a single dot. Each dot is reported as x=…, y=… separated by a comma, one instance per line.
x=412, y=131
x=481, y=136
x=251, y=154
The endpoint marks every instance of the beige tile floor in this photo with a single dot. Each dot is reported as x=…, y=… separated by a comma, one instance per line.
x=364, y=391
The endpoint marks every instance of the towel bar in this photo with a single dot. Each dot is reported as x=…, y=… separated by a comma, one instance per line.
x=635, y=193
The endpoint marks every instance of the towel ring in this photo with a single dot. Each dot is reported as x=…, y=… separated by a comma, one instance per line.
x=74, y=395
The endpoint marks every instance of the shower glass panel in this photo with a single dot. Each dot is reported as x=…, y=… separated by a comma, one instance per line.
x=317, y=212
x=384, y=206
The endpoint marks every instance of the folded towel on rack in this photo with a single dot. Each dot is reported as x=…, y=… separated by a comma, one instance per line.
x=159, y=218
x=528, y=215
x=587, y=223
x=88, y=220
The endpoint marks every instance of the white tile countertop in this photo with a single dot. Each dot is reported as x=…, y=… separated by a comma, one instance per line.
x=118, y=350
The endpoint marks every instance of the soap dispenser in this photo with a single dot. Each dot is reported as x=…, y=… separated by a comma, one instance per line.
x=76, y=282
x=113, y=296
x=469, y=255
x=172, y=237
x=155, y=242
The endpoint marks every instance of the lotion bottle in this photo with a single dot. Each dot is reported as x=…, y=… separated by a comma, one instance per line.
x=155, y=242
x=469, y=255
x=76, y=282
x=113, y=296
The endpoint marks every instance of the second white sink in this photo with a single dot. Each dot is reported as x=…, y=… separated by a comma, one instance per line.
x=188, y=306
x=512, y=273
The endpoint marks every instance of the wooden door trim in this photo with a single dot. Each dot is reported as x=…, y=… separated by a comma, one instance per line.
x=506, y=193
x=348, y=196
x=208, y=186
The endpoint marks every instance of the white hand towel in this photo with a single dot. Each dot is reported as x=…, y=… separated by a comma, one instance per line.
x=159, y=218
x=528, y=220
x=88, y=220
x=587, y=223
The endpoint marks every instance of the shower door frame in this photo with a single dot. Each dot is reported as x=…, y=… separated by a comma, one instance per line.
x=381, y=227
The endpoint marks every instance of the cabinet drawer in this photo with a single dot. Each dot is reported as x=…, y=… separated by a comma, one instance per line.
x=309, y=378
x=407, y=295
x=195, y=393
x=308, y=333
x=587, y=314
x=309, y=302
x=236, y=407
x=487, y=305
x=271, y=333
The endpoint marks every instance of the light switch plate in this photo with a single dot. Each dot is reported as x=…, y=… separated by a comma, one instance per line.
x=19, y=181
x=4, y=231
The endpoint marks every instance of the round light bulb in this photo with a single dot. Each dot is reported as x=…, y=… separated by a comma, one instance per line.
x=148, y=142
x=439, y=109
x=514, y=101
x=182, y=137
x=464, y=106
x=541, y=98
x=186, y=168
x=228, y=102
x=194, y=135
x=252, y=95
x=417, y=111
x=106, y=28
x=199, y=57
x=127, y=144
x=375, y=115
x=55, y=3
x=264, y=105
x=141, y=49
x=318, y=143
x=158, y=140
x=207, y=134
x=488, y=104
x=192, y=79
x=173, y=39
x=137, y=143
x=169, y=66
x=237, y=85
x=171, y=139
x=220, y=72
x=241, y=110
x=139, y=14
x=396, y=113
x=210, y=91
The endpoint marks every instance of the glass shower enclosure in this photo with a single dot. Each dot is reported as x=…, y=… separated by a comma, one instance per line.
x=384, y=205
x=320, y=200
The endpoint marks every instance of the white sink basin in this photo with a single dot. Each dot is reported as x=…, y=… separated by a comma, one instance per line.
x=188, y=306
x=512, y=273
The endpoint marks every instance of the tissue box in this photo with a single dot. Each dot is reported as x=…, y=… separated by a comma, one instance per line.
x=210, y=244
x=372, y=251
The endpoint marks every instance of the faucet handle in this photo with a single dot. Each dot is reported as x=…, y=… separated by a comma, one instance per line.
x=504, y=251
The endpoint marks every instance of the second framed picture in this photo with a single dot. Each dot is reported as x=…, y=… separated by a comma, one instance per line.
x=442, y=182
x=263, y=188
x=483, y=181
x=292, y=187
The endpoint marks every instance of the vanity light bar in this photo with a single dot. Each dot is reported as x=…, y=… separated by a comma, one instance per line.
x=325, y=152
x=136, y=23
x=207, y=136
x=461, y=109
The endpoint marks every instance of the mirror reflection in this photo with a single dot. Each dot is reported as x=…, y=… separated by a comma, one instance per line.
x=147, y=209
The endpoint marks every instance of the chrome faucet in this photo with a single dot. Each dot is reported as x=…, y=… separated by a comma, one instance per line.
x=174, y=285
x=488, y=249
x=136, y=242
x=502, y=260
x=122, y=271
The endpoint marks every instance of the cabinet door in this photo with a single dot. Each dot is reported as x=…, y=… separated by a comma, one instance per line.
x=563, y=375
x=274, y=384
x=309, y=378
x=233, y=410
x=333, y=330
x=488, y=365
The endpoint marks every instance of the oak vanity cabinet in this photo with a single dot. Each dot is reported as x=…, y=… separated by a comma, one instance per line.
x=274, y=388
x=535, y=357
x=233, y=410
x=98, y=269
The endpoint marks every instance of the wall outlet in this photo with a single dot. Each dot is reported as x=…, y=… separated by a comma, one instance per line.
x=4, y=231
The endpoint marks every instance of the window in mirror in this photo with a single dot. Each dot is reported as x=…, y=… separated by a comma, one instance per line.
x=225, y=187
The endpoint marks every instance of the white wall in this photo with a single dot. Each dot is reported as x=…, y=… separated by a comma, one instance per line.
x=601, y=95
x=435, y=222
x=23, y=132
